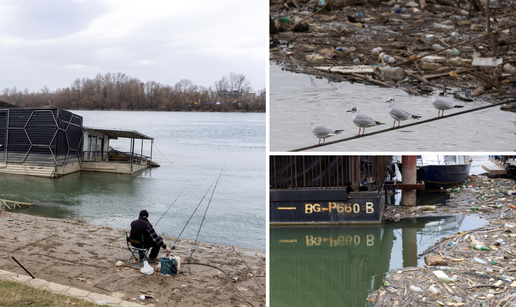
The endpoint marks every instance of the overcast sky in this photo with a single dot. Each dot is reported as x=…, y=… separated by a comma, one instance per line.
x=54, y=42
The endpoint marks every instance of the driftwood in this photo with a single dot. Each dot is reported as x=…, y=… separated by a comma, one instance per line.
x=309, y=16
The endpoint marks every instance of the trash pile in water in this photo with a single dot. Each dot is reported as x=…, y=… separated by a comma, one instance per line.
x=465, y=269
x=493, y=199
x=417, y=46
x=471, y=268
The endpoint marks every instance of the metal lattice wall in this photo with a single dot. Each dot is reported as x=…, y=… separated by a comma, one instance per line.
x=44, y=137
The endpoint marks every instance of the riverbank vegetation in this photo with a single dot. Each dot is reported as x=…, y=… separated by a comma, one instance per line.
x=118, y=91
x=16, y=294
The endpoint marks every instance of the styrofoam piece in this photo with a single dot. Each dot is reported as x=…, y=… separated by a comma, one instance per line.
x=354, y=69
x=485, y=62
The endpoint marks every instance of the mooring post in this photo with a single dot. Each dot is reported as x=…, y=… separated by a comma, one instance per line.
x=408, y=197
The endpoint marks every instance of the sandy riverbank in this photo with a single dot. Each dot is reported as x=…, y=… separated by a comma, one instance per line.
x=84, y=256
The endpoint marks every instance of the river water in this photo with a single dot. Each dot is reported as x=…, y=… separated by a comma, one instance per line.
x=298, y=99
x=193, y=149
x=341, y=266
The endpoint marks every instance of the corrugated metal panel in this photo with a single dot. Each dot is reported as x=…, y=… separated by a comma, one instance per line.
x=18, y=117
x=308, y=172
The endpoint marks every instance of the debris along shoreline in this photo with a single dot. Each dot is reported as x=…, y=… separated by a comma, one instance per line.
x=469, y=268
x=418, y=47
x=85, y=256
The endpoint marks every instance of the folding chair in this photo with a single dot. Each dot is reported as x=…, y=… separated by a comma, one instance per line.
x=138, y=253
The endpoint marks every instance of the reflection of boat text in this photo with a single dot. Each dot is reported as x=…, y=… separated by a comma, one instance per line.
x=340, y=208
x=344, y=240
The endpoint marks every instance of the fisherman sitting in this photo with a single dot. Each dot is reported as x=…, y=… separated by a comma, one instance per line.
x=142, y=227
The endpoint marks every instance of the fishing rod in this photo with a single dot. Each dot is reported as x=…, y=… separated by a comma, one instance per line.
x=193, y=248
x=168, y=209
x=191, y=216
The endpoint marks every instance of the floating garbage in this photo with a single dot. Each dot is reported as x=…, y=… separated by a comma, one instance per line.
x=512, y=70
x=416, y=289
x=443, y=277
x=478, y=260
x=376, y=51
x=386, y=58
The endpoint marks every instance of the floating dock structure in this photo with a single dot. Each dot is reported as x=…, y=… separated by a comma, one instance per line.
x=503, y=165
x=327, y=190
x=53, y=143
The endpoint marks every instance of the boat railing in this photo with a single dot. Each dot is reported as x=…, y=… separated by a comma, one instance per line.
x=115, y=156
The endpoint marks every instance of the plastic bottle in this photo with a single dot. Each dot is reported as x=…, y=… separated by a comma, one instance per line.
x=285, y=20
x=433, y=289
x=441, y=26
x=443, y=277
x=478, y=260
x=377, y=50
x=392, y=73
x=429, y=38
x=457, y=61
x=509, y=68
x=387, y=58
x=416, y=289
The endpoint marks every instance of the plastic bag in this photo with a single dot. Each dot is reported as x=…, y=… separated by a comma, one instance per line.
x=168, y=266
x=147, y=269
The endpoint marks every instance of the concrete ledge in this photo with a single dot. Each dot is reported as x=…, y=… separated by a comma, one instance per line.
x=5, y=274
x=57, y=288
x=96, y=298
x=23, y=279
x=77, y=292
x=102, y=299
x=38, y=283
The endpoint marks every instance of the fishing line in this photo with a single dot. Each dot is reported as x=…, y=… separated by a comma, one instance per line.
x=168, y=209
x=193, y=248
x=162, y=154
x=191, y=216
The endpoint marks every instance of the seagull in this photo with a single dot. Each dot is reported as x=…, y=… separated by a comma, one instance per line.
x=398, y=113
x=323, y=132
x=441, y=103
x=362, y=120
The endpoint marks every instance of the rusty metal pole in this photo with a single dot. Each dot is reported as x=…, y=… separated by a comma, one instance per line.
x=408, y=197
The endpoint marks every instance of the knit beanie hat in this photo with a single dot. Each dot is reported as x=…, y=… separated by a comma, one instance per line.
x=144, y=214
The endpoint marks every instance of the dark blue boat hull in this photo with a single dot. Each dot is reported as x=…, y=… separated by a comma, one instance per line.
x=436, y=176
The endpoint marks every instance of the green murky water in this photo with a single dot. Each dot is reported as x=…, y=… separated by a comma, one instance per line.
x=340, y=266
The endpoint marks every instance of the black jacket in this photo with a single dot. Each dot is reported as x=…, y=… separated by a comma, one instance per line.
x=142, y=227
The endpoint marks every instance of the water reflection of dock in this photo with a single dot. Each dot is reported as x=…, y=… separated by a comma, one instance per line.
x=328, y=266
x=340, y=266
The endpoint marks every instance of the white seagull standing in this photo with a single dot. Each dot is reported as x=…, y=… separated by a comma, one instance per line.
x=362, y=120
x=442, y=104
x=398, y=113
x=323, y=132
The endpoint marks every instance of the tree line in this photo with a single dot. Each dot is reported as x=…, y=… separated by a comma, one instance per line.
x=118, y=91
